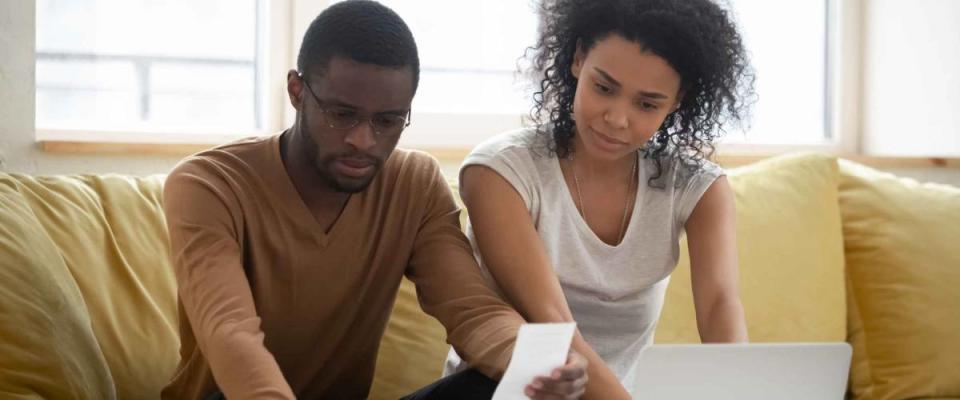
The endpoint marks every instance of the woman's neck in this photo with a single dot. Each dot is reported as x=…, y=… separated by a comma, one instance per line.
x=599, y=168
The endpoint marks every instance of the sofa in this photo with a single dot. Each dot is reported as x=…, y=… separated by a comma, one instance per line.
x=829, y=251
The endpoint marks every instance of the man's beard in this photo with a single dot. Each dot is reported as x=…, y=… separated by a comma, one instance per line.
x=324, y=167
x=341, y=184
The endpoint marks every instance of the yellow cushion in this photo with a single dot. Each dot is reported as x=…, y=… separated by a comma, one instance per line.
x=861, y=387
x=412, y=351
x=47, y=347
x=902, y=252
x=111, y=234
x=791, y=256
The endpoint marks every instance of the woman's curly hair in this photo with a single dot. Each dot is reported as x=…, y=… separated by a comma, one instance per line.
x=697, y=38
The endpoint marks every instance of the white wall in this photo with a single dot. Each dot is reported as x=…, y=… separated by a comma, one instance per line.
x=18, y=149
x=912, y=77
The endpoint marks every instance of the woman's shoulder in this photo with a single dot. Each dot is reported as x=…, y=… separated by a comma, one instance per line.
x=672, y=170
x=529, y=142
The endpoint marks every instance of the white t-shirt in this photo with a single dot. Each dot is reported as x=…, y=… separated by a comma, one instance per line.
x=614, y=292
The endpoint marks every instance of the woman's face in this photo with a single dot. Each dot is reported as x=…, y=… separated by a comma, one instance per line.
x=623, y=95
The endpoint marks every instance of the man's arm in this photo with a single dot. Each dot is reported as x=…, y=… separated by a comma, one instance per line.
x=213, y=288
x=480, y=326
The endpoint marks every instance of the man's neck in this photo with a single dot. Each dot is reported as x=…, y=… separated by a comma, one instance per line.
x=323, y=201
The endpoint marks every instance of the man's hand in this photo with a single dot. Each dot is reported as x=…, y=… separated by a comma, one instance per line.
x=566, y=382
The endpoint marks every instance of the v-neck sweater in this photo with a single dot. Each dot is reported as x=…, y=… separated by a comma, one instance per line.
x=271, y=306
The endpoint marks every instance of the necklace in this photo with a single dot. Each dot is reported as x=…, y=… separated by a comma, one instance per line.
x=626, y=202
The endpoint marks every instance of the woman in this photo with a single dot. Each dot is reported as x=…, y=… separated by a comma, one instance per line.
x=579, y=218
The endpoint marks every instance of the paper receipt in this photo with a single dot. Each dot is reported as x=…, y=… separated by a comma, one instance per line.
x=540, y=348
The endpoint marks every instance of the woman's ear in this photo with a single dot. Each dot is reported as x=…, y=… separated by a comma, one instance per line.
x=578, y=58
x=676, y=105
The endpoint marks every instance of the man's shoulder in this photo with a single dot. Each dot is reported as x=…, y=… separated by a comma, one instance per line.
x=411, y=173
x=241, y=154
x=412, y=164
x=413, y=157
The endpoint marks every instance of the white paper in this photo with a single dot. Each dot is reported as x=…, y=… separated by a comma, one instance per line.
x=540, y=348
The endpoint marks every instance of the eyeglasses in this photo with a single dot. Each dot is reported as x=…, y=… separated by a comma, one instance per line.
x=344, y=118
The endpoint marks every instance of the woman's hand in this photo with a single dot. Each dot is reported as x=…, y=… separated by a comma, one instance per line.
x=566, y=382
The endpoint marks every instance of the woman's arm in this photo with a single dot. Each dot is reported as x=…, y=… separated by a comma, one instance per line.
x=514, y=255
x=712, y=241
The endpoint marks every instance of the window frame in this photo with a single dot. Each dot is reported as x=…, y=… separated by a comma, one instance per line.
x=273, y=15
x=842, y=69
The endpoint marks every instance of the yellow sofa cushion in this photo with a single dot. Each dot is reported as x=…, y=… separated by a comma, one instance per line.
x=110, y=232
x=791, y=256
x=47, y=347
x=902, y=243
x=860, y=387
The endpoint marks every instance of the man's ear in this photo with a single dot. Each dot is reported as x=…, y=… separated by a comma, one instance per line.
x=578, y=58
x=295, y=89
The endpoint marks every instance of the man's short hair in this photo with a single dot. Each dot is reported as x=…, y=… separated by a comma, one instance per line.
x=361, y=30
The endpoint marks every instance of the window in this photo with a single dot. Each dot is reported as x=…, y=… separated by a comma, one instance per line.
x=469, y=52
x=787, y=42
x=469, y=58
x=118, y=65
x=144, y=65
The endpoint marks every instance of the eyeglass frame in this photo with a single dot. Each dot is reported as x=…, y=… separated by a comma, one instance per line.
x=358, y=117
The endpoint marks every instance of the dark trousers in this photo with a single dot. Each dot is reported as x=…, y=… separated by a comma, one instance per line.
x=464, y=385
x=216, y=396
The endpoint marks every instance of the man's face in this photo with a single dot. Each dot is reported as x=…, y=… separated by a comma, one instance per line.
x=346, y=90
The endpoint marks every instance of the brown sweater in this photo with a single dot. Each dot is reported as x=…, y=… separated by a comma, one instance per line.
x=272, y=307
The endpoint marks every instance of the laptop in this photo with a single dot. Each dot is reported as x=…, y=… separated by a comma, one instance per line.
x=783, y=371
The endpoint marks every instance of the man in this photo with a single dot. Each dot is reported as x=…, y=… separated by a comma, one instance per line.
x=289, y=249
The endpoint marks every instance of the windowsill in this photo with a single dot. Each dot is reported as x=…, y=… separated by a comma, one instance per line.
x=161, y=144
x=452, y=154
x=196, y=144
x=118, y=148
